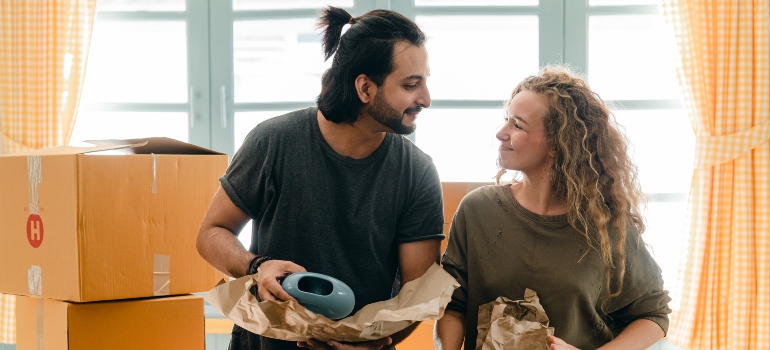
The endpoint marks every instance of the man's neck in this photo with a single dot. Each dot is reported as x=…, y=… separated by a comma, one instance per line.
x=356, y=140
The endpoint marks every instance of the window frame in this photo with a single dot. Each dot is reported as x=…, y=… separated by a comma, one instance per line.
x=563, y=37
x=196, y=21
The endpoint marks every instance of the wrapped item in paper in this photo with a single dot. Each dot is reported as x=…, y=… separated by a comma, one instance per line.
x=506, y=324
x=421, y=299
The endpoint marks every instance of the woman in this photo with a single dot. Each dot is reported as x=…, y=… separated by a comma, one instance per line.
x=568, y=227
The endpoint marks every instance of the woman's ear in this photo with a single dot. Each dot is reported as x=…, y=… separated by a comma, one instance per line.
x=363, y=86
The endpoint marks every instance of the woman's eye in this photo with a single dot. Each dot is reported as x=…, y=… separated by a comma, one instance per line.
x=515, y=124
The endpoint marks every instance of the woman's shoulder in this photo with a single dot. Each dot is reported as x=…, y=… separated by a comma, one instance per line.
x=484, y=194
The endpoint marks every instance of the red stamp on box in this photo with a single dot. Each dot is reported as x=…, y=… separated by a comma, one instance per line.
x=35, y=230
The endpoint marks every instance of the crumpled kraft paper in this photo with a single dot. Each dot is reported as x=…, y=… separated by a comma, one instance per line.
x=506, y=324
x=421, y=299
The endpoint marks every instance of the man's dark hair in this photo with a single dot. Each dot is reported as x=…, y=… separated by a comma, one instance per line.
x=366, y=48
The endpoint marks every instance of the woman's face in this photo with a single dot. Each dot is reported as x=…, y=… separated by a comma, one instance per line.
x=523, y=143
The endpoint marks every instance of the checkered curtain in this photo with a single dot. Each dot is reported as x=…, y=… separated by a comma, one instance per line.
x=7, y=319
x=724, y=299
x=43, y=49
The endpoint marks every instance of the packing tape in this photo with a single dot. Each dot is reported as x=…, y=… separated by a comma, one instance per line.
x=40, y=318
x=154, y=173
x=35, y=281
x=35, y=273
x=35, y=174
x=35, y=284
x=161, y=274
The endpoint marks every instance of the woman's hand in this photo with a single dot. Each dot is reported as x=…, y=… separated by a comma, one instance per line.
x=558, y=344
x=335, y=345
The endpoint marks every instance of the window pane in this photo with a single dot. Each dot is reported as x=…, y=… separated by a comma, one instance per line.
x=479, y=57
x=476, y=2
x=277, y=60
x=666, y=236
x=287, y=4
x=245, y=121
x=137, y=61
x=663, y=147
x=461, y=142
x=141, y=5
x=97, y=125
x=622, y=2
x=632, y=57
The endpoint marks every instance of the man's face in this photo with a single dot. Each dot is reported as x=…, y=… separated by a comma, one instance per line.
x=404, y=93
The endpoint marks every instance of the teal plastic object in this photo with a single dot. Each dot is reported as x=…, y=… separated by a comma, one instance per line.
x=321, y=294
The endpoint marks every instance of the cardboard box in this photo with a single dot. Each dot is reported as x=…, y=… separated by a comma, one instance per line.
x=80, y=226
x=155, y=323
x=453, y=193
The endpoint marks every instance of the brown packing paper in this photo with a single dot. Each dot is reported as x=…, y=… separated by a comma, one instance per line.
x=421, y=299
x=506, y=324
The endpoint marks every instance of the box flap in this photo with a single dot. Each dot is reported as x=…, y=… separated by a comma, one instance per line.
x=64, y=150
x=157, y=145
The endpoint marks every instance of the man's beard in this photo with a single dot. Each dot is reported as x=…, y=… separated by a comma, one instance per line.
x=391, y=118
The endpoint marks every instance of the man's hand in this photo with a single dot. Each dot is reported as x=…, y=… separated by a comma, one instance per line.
x=272, y=271
x=335, y=345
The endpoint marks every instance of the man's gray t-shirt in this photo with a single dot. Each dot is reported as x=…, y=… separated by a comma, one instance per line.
x=333, y=214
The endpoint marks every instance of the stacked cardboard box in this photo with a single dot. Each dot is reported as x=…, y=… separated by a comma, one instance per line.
x=84, y=232
x=174, y=322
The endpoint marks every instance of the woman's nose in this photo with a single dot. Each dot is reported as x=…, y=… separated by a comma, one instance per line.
x=502, y=134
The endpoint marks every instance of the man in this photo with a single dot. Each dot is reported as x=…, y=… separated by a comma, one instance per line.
x=335, y=189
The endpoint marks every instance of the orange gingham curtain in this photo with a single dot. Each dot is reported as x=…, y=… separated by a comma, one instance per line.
x=43, y=50
x=724, y=300
x=7, y=319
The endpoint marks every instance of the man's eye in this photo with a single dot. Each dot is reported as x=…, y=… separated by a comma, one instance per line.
x=410, y=86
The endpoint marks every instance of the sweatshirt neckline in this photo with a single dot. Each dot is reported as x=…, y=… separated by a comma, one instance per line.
x=529, y=214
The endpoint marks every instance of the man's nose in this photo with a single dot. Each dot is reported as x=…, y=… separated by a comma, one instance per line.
x=424, y=99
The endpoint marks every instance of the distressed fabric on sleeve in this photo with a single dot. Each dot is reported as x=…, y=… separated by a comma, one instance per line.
x=642, y=296
x=454, y=262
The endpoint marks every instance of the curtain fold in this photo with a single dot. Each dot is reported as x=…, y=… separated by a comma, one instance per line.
x=724, y=298
x=43, y=52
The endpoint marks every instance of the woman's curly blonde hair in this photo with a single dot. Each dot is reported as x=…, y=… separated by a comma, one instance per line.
x=592, y=171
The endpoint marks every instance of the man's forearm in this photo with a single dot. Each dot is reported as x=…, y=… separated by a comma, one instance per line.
x=224, y=251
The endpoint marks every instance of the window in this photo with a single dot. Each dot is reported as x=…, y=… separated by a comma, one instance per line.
x=147, y=72
x=208, y=71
